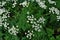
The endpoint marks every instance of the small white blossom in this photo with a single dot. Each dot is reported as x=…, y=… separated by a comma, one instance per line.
x=37, y=27
x=58, y=18
x=29, y=34
x=2, y=3
x=52, y=2
x=33, y=21
x=2, y=10
x=28, y=12
x=5, y=24
x=24, y=4
x=41, y=4
x=13, y=30
x=14, y=4
x=41, y=20
x=27, y=21
x=4, y=16
x=54, y=10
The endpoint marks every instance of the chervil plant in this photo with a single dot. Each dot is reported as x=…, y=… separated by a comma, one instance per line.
x=29, y=20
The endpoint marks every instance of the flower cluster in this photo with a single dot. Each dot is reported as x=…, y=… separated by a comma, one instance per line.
x=41, y=20
x=2, y=10
x=36, y=24
x=29, y=34
x=31, y=18
x=3, y=18
x=13, y=30
x=14, y=4
x=24, y=4
x=4, y=15
x=52, y=2
x=2, y=3
x=41, y=4
x=55, y=11
x=58, y=18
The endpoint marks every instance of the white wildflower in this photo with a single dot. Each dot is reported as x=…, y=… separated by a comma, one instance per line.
x=33, y=21
x=27, y=21
x=28, y=12
x=13, y=30
x=30, y=18
x=41, y=4
x=37, y=27
x=2, y=10
x=29, y=34
x=5, y=24
x=52, y=2
x=41, y=20
x=2, y=3
x=4, y=16
x=24, y=4
x=54, y=10
x=14, y=4
x=58, y=18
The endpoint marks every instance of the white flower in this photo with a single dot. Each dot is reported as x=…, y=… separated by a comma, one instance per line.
x=24, y=4
x=54, y=10
x=58, y=18
x=13, y=30
x=2, y=10
x=27, y=12
x=3, y=3
x=30, y=18
x=5, y=24
x=41, y=20
x=29, y=34
x=14, y=4
x=4, y=16
x=52, y=2
x=27, y=21
x=41, y=4
x=37, y=27
x=33, y=21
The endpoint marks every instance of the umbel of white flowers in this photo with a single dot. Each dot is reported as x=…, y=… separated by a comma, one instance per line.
x=24, y=4
x=35, y=23
x=29, y=34
x=52, y=2
x=2, y=3
x=3, y=17
x=55, y=11
x=13, y=30
x=41, y=4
